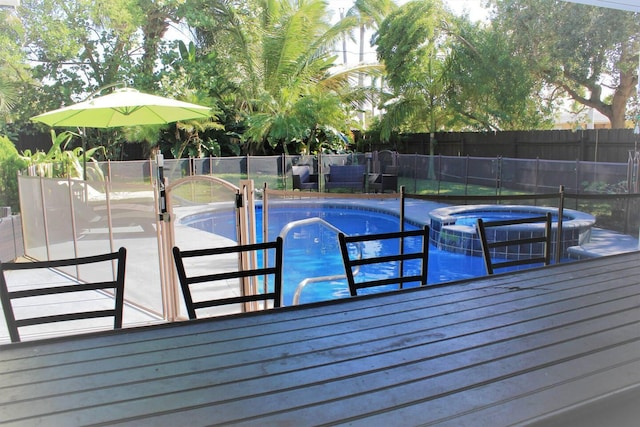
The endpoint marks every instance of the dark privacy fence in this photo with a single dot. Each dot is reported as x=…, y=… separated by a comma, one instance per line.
x=594, y=145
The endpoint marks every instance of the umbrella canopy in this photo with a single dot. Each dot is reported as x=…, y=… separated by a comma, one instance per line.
x=123, y=107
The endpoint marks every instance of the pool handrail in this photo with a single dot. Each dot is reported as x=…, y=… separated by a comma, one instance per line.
x=303, y=283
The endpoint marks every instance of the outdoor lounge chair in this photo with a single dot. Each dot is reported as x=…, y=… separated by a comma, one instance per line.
x=303, y=179
x=352, y=265
x=501, y=239
x=43, y=292
x=187, y=281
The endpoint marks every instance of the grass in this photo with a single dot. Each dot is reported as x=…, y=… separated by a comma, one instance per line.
x=427, y=187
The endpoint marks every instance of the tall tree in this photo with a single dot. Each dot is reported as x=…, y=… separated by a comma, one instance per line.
x=585, y=52
x=488, y=86
x=78, y=46
x=158, y=16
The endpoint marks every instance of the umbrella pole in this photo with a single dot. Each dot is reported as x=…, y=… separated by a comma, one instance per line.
x=84, y=160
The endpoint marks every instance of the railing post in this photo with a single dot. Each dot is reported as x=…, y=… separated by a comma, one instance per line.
x=559, y=229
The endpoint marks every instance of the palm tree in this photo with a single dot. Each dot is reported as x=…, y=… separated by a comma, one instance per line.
x=411, y=44
x=8, y=96
x=298, y=91
x=288, y=89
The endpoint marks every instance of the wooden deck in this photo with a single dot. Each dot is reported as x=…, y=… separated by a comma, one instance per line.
x=555, y=346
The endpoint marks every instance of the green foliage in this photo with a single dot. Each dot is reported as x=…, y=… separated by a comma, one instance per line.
x=488, y=86
x=447, y=73
x=409, y=39
x=10, y=165
x=269, y=65
x=293, y=97
x=411, y=43
x=14, y=73
x=580, y=51
x=59, y=162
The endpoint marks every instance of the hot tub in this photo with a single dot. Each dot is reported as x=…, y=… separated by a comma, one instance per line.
x=454, y=228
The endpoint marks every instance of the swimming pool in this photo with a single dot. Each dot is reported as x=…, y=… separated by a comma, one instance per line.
x=313, y=250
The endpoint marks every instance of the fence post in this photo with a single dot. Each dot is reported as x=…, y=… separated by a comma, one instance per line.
x=72, y=217
x=577, y=179
x=439, y=172
x=535, y=187
x=16, y=253
x=559, y=229
x=283, y=168
x=466, y=175
x=320, y=174
x=402, y=198
x=498, y=174
x=415, y=174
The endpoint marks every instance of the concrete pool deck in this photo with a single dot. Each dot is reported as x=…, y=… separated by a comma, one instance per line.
x=604, y=242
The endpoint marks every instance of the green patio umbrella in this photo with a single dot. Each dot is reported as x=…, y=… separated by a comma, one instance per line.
x=123, y=107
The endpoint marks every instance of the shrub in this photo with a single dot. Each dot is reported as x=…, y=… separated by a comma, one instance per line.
x=10, y=164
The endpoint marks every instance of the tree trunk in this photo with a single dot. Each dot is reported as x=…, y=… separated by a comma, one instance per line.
x=628, y=81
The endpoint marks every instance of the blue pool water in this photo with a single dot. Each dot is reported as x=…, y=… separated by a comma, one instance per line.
x=471, y=219
x=313, y=250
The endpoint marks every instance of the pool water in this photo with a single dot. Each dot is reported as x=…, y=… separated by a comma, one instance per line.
x=313, y=250
x=471, y=219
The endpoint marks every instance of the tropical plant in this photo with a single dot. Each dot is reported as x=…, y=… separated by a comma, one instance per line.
x=193, y=78
x=285, y=87
x=60, y=162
